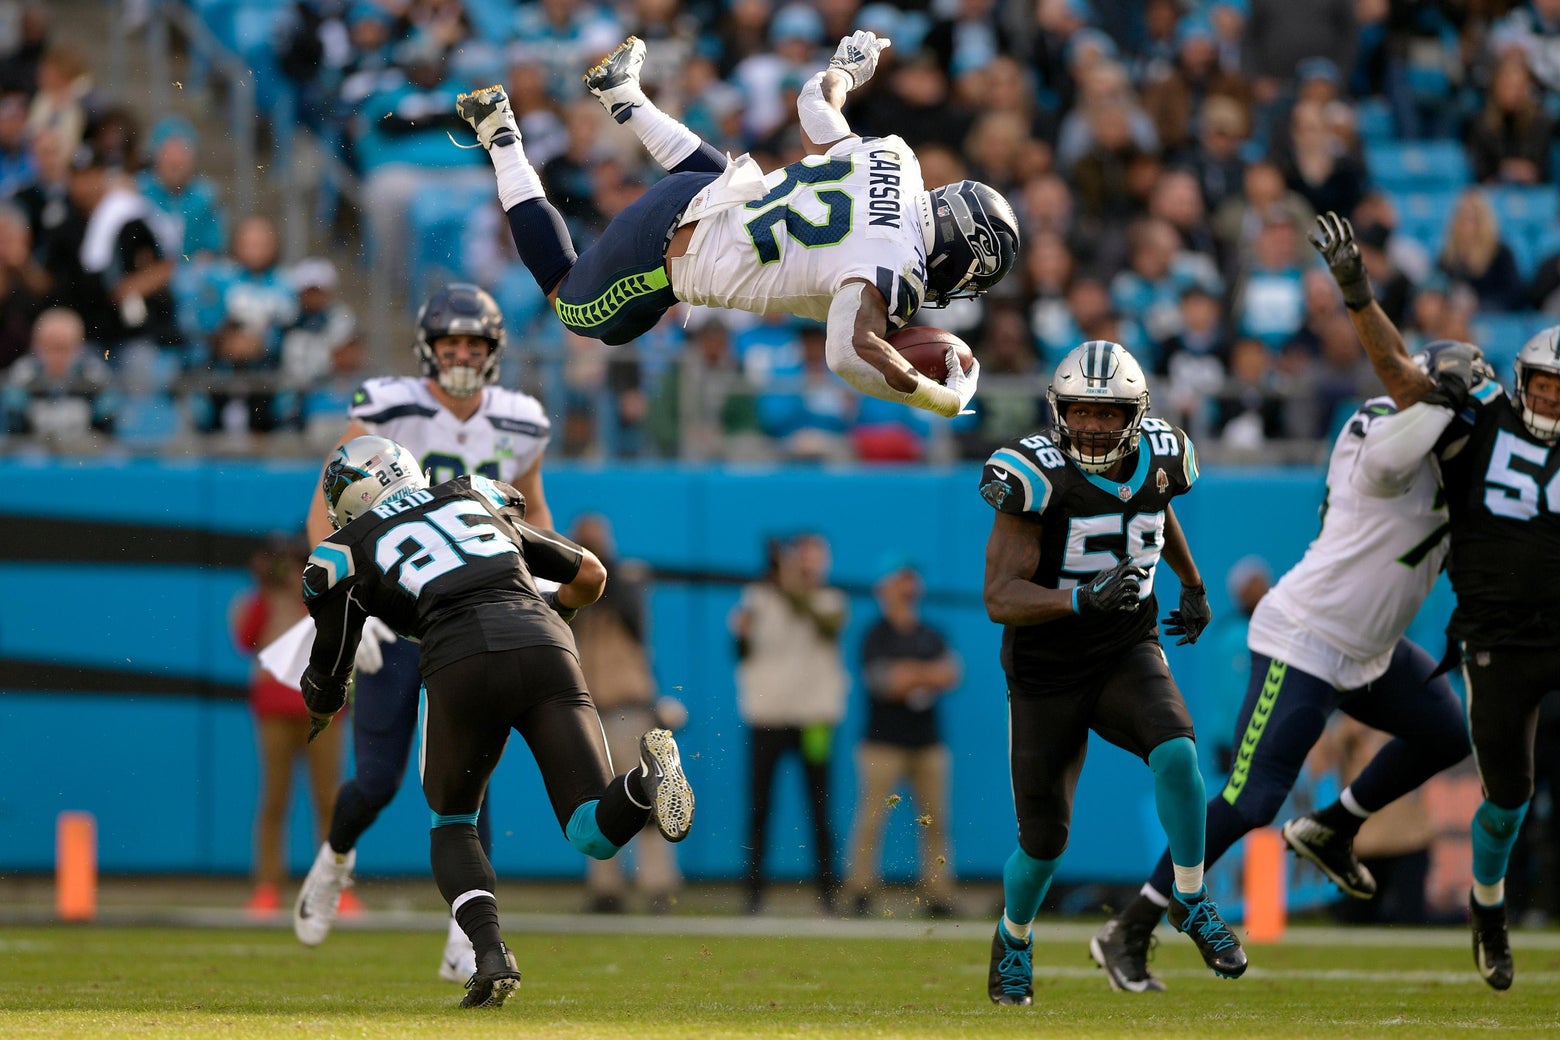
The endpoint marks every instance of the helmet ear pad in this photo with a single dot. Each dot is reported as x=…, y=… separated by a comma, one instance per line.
x=459, y=309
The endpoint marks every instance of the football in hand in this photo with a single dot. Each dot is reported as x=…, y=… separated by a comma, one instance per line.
x=926, y=348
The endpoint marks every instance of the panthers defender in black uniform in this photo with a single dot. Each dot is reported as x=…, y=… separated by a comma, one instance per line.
x=452, y=567
x=1083, y=517
x=1501, y=470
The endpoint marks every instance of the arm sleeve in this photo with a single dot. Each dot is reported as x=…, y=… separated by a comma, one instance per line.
x=1396, y=445
x=821, y=122
x=338, y=624
x=840, y=351
x=548, y=555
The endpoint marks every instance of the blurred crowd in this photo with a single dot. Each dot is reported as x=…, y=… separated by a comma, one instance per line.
x=1165, y=157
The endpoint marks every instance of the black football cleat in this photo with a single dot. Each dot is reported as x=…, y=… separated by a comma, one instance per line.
x=1012, y=977
x=1122, y=948
x=1491, y=944
x=497, y=977
x=1333, y=854
x=1219, y=948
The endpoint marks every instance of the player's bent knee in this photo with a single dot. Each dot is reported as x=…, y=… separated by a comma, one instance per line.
x=1175, y=758
x=1500, y=822
x=1045, y=843
x=584, y=833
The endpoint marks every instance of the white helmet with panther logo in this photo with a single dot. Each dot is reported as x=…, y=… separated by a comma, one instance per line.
x=364, y=472
x=1539, y=354
x=1103, y=372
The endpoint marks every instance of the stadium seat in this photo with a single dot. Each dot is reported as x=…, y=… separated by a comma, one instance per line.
x=1423, y=215
x=493, y=20
x=1373, y=119
x=1417, y=165
x=1534, y=207
x=436, y=222
x=147, y=421
x=1502, y=335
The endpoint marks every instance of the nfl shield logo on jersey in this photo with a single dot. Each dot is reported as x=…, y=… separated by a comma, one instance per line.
x=1124, y=491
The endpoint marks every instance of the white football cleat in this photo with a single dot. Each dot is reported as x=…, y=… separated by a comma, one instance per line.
x=490, y=115
x=460, y=957
x=320, y=896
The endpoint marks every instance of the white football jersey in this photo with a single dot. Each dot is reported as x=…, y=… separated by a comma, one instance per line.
x=506, y=435
x=787, y=245
x=1338, y=613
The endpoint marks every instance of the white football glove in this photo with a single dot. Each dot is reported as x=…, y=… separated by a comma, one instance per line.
x=961, y=382
x=369, y=657
x=857, y=55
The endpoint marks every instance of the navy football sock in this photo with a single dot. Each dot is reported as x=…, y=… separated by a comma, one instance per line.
x=543, y=241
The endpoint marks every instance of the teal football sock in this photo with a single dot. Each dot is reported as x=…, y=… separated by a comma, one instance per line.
x=1024, y=884
x=1494, y=834
x=1180, y=798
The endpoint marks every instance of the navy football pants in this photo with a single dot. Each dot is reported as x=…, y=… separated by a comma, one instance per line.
x=1283, y=716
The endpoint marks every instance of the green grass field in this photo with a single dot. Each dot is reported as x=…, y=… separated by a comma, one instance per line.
x=90, y=982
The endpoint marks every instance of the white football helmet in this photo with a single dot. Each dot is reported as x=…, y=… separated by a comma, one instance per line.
x=1100, y=371
x=1539, y=354
x=365, y=472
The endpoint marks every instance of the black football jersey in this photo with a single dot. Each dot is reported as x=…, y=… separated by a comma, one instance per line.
x=1503, y=497
x=450, y=566
x=1088, y=524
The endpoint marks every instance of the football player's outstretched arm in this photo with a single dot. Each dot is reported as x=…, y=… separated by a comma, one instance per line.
x=1012, y=555
x=857, y=352
x=819, y=106
x=1333, y=238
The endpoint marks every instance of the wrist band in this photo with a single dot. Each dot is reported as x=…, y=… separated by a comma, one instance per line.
x=1075, y=599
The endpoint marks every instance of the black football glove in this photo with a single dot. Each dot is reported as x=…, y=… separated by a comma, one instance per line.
x=1334, y=239
x=322, y=694
x=1115, y=589
x=567, y=613
x=317, y=724
x=1189, y=620
x=1457, y=370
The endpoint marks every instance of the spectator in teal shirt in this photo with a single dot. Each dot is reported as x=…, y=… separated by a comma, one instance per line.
x=187, y=217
